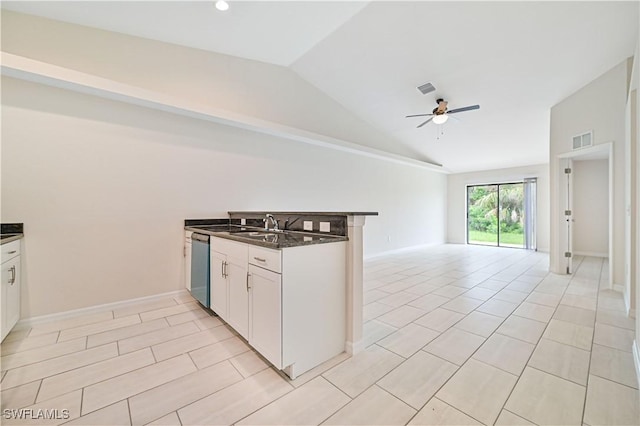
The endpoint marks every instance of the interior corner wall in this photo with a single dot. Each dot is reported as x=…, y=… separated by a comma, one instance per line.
x=103, y=189
x=577, y=114
x=591, y=208
x=635, y=85
x=457, y=199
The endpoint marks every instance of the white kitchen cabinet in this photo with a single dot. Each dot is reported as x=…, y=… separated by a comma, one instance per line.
x=238, y=315
x=297, y=304
x=289, y=303
x=265, y=318
x=187, y=259
x=218, y=289
x=229, y=296
x=11, y=288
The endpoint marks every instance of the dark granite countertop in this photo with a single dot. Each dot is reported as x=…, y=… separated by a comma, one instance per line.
x=260, y=237
x=7, y=238
x=308, y=213
x=10, y=232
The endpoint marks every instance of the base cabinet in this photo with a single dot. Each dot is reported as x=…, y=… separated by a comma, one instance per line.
x=289, y=304
x=11, y=288
x=229, y=292
x=265, y=313
x=218, y=292
x=187, y=259
x=238, y=315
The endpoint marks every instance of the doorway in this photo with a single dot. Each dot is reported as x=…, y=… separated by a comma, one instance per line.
x=585, y=200
x=502, y=214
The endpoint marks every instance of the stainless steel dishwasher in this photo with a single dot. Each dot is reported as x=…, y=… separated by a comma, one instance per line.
x=200, y=267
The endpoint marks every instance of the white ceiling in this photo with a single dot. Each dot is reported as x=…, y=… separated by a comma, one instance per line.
x=515, y=59
x=274, y=32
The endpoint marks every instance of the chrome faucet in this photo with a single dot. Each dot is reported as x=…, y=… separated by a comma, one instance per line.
x=274, y=222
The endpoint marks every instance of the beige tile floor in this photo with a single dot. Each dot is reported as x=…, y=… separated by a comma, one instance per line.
x=454, y=335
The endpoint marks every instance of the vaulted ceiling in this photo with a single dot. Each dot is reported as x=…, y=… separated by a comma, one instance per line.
x=515, y=59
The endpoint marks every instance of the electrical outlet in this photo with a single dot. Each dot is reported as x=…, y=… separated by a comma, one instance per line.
x=325, y=226
x=389, y=238
x=307, y=225
x=243, y=221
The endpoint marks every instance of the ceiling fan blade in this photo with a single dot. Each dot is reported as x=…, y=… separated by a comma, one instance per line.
x=467, y=108
x=418, y=115
x=430, y=118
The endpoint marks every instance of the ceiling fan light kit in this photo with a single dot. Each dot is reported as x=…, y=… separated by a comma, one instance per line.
x=222, y=5
x=440, y=114
x=440, y=119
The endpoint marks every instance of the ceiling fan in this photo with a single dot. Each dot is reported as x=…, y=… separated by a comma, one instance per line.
x=440, y=113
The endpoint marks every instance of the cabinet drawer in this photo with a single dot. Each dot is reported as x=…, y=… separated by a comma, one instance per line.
x=10, y=250
x=232, y=249
x=265, y=258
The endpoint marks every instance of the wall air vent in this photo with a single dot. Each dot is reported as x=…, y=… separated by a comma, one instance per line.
x=426, y=88
x=582, y=141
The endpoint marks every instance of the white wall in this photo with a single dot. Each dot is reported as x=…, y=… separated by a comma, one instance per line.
x=103, y=189
x=244, y=86
x=457, y=195
x=591, y=207
x=600, y=107
x=635, y=85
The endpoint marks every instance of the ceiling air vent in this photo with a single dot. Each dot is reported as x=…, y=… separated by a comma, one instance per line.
x=426, y=88
x=582, y=141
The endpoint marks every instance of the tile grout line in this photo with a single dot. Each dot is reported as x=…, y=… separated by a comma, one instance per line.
x=593, y=335
x=129, y=411
x=555, y=375
x=60, y=372
x=90, y=384
x=470, y=357
x=81, y=402
x=534, y=350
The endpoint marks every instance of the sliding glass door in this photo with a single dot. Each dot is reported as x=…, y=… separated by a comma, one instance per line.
x=482, y=214
x=502, y=214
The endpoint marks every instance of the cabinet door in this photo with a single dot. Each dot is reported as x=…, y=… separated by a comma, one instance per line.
x=218, y=285
x=265, y=319
x=238, y=297
x=187, y=260
x=10, y=299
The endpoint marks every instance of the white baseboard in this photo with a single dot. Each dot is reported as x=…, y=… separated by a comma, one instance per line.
x=627, y=304
x=619, y=288
x=590, y=254
x=28, y=322
x=353, y=348
x=401, y=250
x=636, y=358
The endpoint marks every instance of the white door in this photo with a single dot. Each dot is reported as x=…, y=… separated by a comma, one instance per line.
x=265, y=329
x=218, y=285
x=238, y=297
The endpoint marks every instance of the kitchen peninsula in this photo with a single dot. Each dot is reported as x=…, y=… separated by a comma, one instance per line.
x=290, y=283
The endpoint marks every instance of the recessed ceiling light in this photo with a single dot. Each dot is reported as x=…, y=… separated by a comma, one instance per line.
x=222, y=5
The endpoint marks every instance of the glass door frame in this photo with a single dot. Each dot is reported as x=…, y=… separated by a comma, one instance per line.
x=496, y=184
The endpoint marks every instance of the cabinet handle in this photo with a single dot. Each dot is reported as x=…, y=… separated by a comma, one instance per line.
x=12, y=251
x=248, y=286
x=260, y=259
x=222, y=269
x=12, y=279
x=226, y=273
